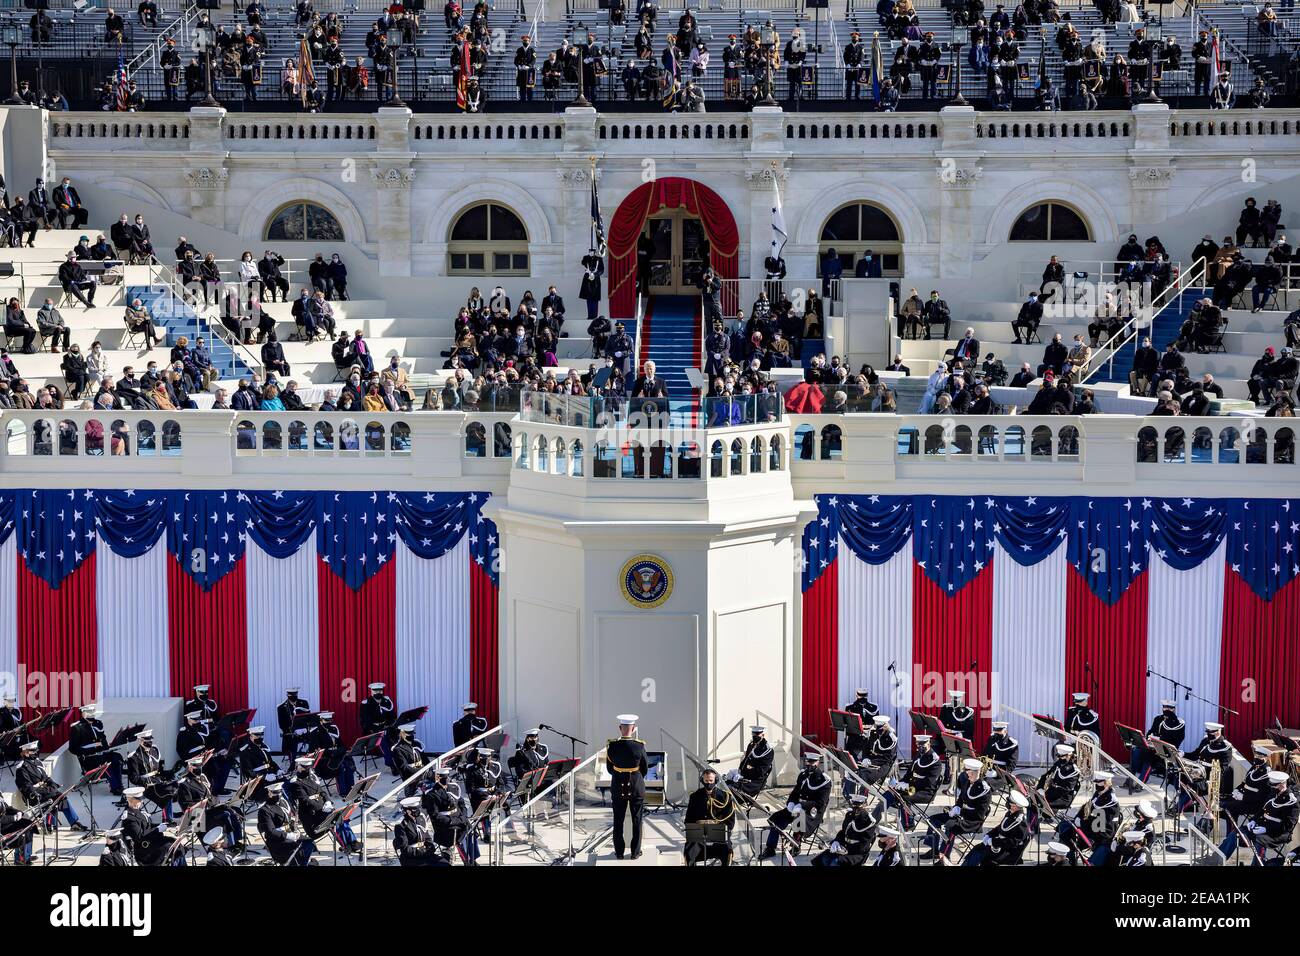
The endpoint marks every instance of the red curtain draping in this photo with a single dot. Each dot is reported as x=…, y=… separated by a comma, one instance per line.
x=58, y=645
x=949, y=634
x=484, y=663
x=821, y=610
x=1111, y=640
x=1260, y=671
x=672, y=192
x=358, y=642
x=207, y=633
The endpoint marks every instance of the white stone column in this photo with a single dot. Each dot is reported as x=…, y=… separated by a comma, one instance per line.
x=1151, y=169
x=393, y=177
x=765, y=162
x=957, y=170
x=206, y=170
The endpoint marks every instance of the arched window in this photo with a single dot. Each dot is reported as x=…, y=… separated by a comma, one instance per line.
x=487, y=239
x=1050, y=222
x=300, y=221
x=857, y=227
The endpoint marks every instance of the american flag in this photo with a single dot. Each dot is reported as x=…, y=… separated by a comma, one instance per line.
x=306, y=72
x=120, y=94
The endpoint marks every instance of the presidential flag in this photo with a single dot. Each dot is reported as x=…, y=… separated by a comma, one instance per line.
x=779, y=234
x=597, y=220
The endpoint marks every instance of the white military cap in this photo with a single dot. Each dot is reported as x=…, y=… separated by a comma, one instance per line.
x=1019, y=799
x=862, y=692
x=135, y=793
x=410, y=803
x=202, y=687
x=407, y=728
x=1134, y=836
x=1277, y=776
x=533, y=732
x=970, y=763
x=1167, y=703
x=112, y=835
x=327, y=715
x=304, y=761
x=1261, y=749
x=30, y=745
x=88, y=709
x=145, y=734
x=10, y=699
x=758, y=729
x=1102, y=775
x=1000, y=725
x=1060, y=849
x=627, y=718
x=485, y=751
x=880, y=720
x=1064, y=750
x=1079, y=697
x=469, y=705
x=274, y=787
x=858, y=798
x=291, y=690
x=887, y=831
x=257, y=731
x=443, y=771
x=376, y=685
x=193, y=714
x=196, y=761
x=1148, y=809
x=213, y=835
x=812, y=756
x=957, y=694
x=921, y=738
x=1211, y=725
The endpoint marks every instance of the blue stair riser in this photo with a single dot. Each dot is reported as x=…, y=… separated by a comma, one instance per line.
x=180, y=319
x=1163, y=331
x=671, y=332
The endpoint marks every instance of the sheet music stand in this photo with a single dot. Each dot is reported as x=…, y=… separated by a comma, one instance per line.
x=529, y=784
x=361, y=789
x=1172, y=757
x=409, y=717
x=496, y=742
x=366, y=749
x=52, y=720
x=125, y=735
x=929, y=724
x=848, y=722
x=707, y=833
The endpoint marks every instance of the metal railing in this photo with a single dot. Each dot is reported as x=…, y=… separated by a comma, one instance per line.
x=527, y=812
x=370, y=810
x=178, y=29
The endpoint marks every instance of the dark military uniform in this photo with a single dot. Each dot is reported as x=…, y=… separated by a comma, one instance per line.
x=88, y=741
x=812, y=793
x=625, y=759
x=415, y=843
x=467, y=728
x=285, y=712
x=856, y=836
x=958, y=719
x=1006, y=842
x=146, y=837
x=1080, y=718
x=856, y=744
x=755, y=768
x=705, y=805
x=1060, y=783
x=286, y=847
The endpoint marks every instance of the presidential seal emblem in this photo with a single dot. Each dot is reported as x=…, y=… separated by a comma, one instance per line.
x=646, y=580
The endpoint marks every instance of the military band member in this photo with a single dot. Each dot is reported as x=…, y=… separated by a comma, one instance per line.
x=170, y=61
x=732, y=61
x=193, y=740
x=1166, y=726
x=469, y=726
x=1003, y=750
x=194, y=786
x=919, y=782
x=89, y=744
x=1080, y=717
x=1271, y=827
x=1213, y=748
x=408, y=757
x=530, y=755
x=117, y=850
x=804, y=809
x=413, y=838
x=1096, y=822
x=525, y=68
x=1058, y=854
x=38, y=787
x=214, y=841
x=291, y=737
x=755, y=768
x=1254, y=789
x=148, y=842
x=891, y=854
x=1202, y=58
x=144, y=768
x=204, y=702
x=445, y=809
x=313, y=806
x=1134, y=850
x=711, y=803
x=16, y=827
x=1006, y=842
x=852, y=844
x=255, y=760
x=882, y=750
x=856, y=743
x=281, y=833
x=625, y=759
x=966, y=815
x=11, y=723
x=335, y=760
x=378, y=713
x=956, y=717
x=928, y=57
x=1061, y=782
x=481, y=774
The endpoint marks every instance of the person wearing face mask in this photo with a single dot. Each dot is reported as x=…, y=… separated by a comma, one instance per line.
x=530, y=755
x=1096, y=821
x=141, y=245
x=338, y=275
x=852, y=844
x=273, y=359
x=712, y=803
x=319, y=273
x=394, y=377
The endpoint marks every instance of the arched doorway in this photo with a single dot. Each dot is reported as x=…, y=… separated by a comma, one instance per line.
x=678, y=248
x=677, y=211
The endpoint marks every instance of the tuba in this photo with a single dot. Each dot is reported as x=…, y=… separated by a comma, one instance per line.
x=1085, y=754
x=1213, y=784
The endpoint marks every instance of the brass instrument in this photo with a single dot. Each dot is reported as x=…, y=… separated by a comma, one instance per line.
x=1085, y=754
x=1214, y=779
